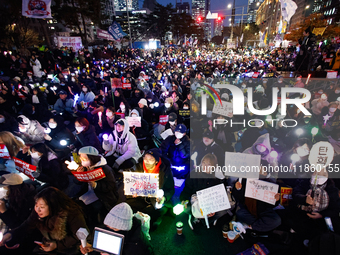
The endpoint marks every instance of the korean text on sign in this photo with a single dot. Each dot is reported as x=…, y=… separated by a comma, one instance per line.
x=89, y=176
x=142, y=184
x=24, y=168
x=261, y=190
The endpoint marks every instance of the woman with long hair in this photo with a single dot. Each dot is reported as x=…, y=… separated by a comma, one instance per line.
x=86, y=134
x=57, y=217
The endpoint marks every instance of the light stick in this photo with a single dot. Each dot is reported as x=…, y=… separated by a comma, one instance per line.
x=82, y=234
x=100, y=116
x=76, y=97
x=325, y=119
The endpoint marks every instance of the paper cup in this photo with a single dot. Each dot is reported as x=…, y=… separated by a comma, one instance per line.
x=179, y=226
x=231, y=236
x=225, y=234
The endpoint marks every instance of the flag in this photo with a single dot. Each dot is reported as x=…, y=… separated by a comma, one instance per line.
x=39, y=9
x=288, y=8
x=195, y=42
x=265, y=38
x=116, y=31
x=179, y=42
x=241, y=39
x=190, y=40
x=280, y=27
x=223, y=41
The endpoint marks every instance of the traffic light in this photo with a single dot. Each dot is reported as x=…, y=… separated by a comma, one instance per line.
x=219, y=18
x=199, y=19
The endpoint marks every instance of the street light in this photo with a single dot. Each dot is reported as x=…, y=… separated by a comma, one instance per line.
x=258, y=3
x=229, y=6
x=307, y=7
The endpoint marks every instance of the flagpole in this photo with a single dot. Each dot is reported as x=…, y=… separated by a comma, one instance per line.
x=128, y=19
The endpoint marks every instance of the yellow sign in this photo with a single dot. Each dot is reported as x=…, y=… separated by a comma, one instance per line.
x=319, y=30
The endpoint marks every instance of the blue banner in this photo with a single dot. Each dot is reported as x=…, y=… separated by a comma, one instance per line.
x=116, y=31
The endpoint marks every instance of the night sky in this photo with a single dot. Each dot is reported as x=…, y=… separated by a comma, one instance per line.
x=215, y=6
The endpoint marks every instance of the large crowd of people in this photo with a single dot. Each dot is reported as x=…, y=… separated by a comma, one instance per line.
x=64, y=110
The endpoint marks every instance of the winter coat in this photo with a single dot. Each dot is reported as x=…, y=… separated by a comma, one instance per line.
x=88, y=138
x=61, y=228
x=35, y=133
x=87, y=98
x=177, y=154
x=49, y=170
x=36, y=66
x=123, y=147
x=166, y=181
x=61, y=106
x=106, y=189
x=213, y=148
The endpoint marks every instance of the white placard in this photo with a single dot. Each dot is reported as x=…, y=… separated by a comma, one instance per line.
x=226, y=109
x=167, y=133
x=261, y=190
x=242, y=165
x=37, y=9
x=74, y=41
x=321, y=155
x=142, y=184
x=134, y=121
x=332, y=74
x=213, y=199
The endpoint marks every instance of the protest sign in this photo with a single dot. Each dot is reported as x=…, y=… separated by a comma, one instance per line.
x=226, y=109
x=90, y=176
x=167, y=133
x=321, y=155
x=142, y=184
x=126, y=85
x=134, y=121
x=242, y=165
x=163, y=119
x=24, y=168
x=261, y=190
x=332, y=74
x=286, y=195
x=4, y=153
x=213, y=199
x=184, y=113
x=116, y=83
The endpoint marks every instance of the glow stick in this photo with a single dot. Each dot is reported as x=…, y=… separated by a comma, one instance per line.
x=75, y=99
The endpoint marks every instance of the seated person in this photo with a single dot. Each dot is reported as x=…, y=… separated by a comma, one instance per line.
x=51, y=205
x=142, y=132
x=109, y=119
x=49, y=169
x=152, y=162
x=121, y=220
x=59, y=138
x=8, y=123
x=177, y=149
x=258, y=215
x=121, y=148
x=201, y=178
x=64, y=105
x=313, y=200
x=30, y=130
x=104, y=189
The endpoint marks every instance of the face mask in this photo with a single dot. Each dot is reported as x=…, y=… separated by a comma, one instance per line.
x=302, y=152
x=320, y=180
x=167, y=105
x=2, y=120
x=22, y=129
x=179, y=135
x=35, y=155
x=109, y=114
x=332, y=109
x=85, y=90
x=86, y=163
x=337, y=91
x=172, y=123
x=52, y=125
x=122, y=107
x=150, y=100
x=79, y=129
x=298, y=79
x=73, y=80
x=185, y=108
x=3, y=193
x=261, y=148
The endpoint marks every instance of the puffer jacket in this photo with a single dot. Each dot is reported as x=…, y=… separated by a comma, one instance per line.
x=123, y=147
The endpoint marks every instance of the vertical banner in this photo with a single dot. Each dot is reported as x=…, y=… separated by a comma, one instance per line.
x=39, y=9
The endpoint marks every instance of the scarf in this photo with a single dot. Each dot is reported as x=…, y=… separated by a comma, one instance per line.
x=321, y=199
x=155, y=170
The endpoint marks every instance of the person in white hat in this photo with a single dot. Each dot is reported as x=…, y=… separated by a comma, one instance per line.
x=121, y=219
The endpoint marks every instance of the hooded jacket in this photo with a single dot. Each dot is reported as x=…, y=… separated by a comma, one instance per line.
x=124, y=147
x=35, y=132
x=263, y=140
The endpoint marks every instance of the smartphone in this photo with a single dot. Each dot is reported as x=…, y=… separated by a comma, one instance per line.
x=50, y=76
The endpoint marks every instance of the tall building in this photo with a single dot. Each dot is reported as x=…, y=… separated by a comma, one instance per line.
x=149, y=4
x=109, y=11
x=329, y=8
x=218, y=27
x=301, y=12
x=182, y=7
x=200, y=8
x=120, y=5
x=253, y=6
